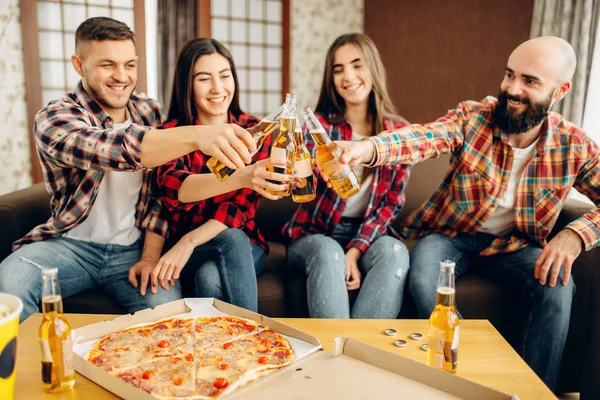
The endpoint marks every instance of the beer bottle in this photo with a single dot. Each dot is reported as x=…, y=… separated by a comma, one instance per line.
x=442, y=345
x=304, y=191
x=56, y=344
x=341, y=176
x=259, y=133
x=283, y=148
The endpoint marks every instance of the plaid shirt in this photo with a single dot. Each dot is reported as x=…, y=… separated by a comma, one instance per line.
x=76, y=146
x=235, y=209
x=478, y=175
x=386, y=198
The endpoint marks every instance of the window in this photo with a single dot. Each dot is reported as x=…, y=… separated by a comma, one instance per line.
x=256, y=32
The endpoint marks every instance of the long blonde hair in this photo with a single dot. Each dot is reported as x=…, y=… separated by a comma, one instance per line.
x=332, y=106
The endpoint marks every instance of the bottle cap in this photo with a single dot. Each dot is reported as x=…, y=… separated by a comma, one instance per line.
x=50, y=272
x=416, y=336
x=424, y=347
x=390, y=332
x=400, y=343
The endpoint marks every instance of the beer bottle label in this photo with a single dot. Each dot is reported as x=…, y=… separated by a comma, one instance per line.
x=68, y=355
x=45, y=354
x=279, y=157
x=303, y=168
x=455, y=339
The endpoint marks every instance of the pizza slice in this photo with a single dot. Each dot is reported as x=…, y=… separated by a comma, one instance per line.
x=213, y=330
x=167, y=377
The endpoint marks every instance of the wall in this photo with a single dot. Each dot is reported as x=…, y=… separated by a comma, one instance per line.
x=14, y=135
x=440, y=52
x=314, y=25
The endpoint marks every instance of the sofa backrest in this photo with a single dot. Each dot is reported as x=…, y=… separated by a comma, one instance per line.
x=22, y=210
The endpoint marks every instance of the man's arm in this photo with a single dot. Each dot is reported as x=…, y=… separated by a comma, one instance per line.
x=412, y=144
x=583, y=233
x=66, y=137
x=229, y=143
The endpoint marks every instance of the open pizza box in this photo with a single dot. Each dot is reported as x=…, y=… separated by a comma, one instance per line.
x=354, y=371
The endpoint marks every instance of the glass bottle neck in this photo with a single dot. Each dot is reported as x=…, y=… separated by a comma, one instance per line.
x=320, y=137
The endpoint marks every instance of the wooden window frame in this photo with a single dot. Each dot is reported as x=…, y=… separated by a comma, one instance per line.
x=203, y=19
x=32, y=67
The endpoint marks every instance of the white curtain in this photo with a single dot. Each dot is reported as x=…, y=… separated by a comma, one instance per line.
x=575, y=21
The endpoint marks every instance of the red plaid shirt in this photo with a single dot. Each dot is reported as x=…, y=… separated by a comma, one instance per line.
x=479, y=170
x=76, y=145
x=235, y=209
x=385, y=201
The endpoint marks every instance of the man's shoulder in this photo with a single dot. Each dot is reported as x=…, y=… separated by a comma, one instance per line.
x=566, y=132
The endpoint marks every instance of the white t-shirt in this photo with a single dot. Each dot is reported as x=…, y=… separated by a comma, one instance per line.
x=502, y=219
x=112, y=217
x=357, y=204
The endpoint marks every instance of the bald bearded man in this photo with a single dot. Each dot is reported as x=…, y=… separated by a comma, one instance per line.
x=512, y=167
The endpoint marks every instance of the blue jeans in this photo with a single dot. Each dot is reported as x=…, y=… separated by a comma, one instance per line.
x=226, y=268
x=81, y=266
x=547, y=326
x=383, y=267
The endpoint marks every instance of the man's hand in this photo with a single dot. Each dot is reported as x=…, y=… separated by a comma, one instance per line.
x=228, y=143
x=142, y=268
x=255, y=177
x=170, y=265
x=560, y=251
x=356, y=151
x=352, y=272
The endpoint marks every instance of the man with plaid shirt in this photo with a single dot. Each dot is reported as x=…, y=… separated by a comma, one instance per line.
x=512, y=167
x=96, y=146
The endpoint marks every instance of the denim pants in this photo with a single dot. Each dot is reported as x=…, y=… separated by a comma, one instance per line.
x=226, y=268
x=383, y=267
x=81, y=266
x=547, y=326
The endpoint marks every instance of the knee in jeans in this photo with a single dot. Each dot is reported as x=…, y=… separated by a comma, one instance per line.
x=17, y=279
x=234, y=237
x=558, y=298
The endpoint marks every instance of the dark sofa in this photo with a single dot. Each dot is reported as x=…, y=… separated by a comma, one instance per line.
x=282, y=293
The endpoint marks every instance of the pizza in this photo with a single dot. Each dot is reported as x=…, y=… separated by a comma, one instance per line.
x=187, y=358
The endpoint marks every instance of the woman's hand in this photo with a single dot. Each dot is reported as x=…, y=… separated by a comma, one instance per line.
x=255, y=177
x=352, y=272
x=171, y=263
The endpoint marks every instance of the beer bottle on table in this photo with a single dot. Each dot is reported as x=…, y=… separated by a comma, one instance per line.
x=304, y=190
x=56, y=344
x=259, y=133
x=341, y=176
x=283, y=148
x=442, y=345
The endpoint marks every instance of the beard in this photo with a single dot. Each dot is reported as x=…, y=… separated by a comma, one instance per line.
x=513, y=122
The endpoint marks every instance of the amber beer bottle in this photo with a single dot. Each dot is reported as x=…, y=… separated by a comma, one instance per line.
x=342, y=177
x=283, y=148
x=442, y=345
x=304, y=191
x=259, y=133
x=56, y=344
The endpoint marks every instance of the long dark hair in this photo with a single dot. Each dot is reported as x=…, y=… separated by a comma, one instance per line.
x=182, y=106
x=332, y=106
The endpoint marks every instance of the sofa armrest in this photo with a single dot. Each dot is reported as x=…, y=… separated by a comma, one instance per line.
x=21, y=211
x=581, y=359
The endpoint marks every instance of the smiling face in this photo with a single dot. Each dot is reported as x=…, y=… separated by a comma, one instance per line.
x=351, y=76
x=214, y=88
x=108, y=71
x=533, y=81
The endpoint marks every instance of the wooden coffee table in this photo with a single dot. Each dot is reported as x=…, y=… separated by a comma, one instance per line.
x=483, y=357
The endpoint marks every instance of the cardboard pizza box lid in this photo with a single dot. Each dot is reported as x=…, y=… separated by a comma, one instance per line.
x=354, y=371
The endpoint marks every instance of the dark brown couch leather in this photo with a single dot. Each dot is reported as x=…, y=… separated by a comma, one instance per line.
x=477, y=296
